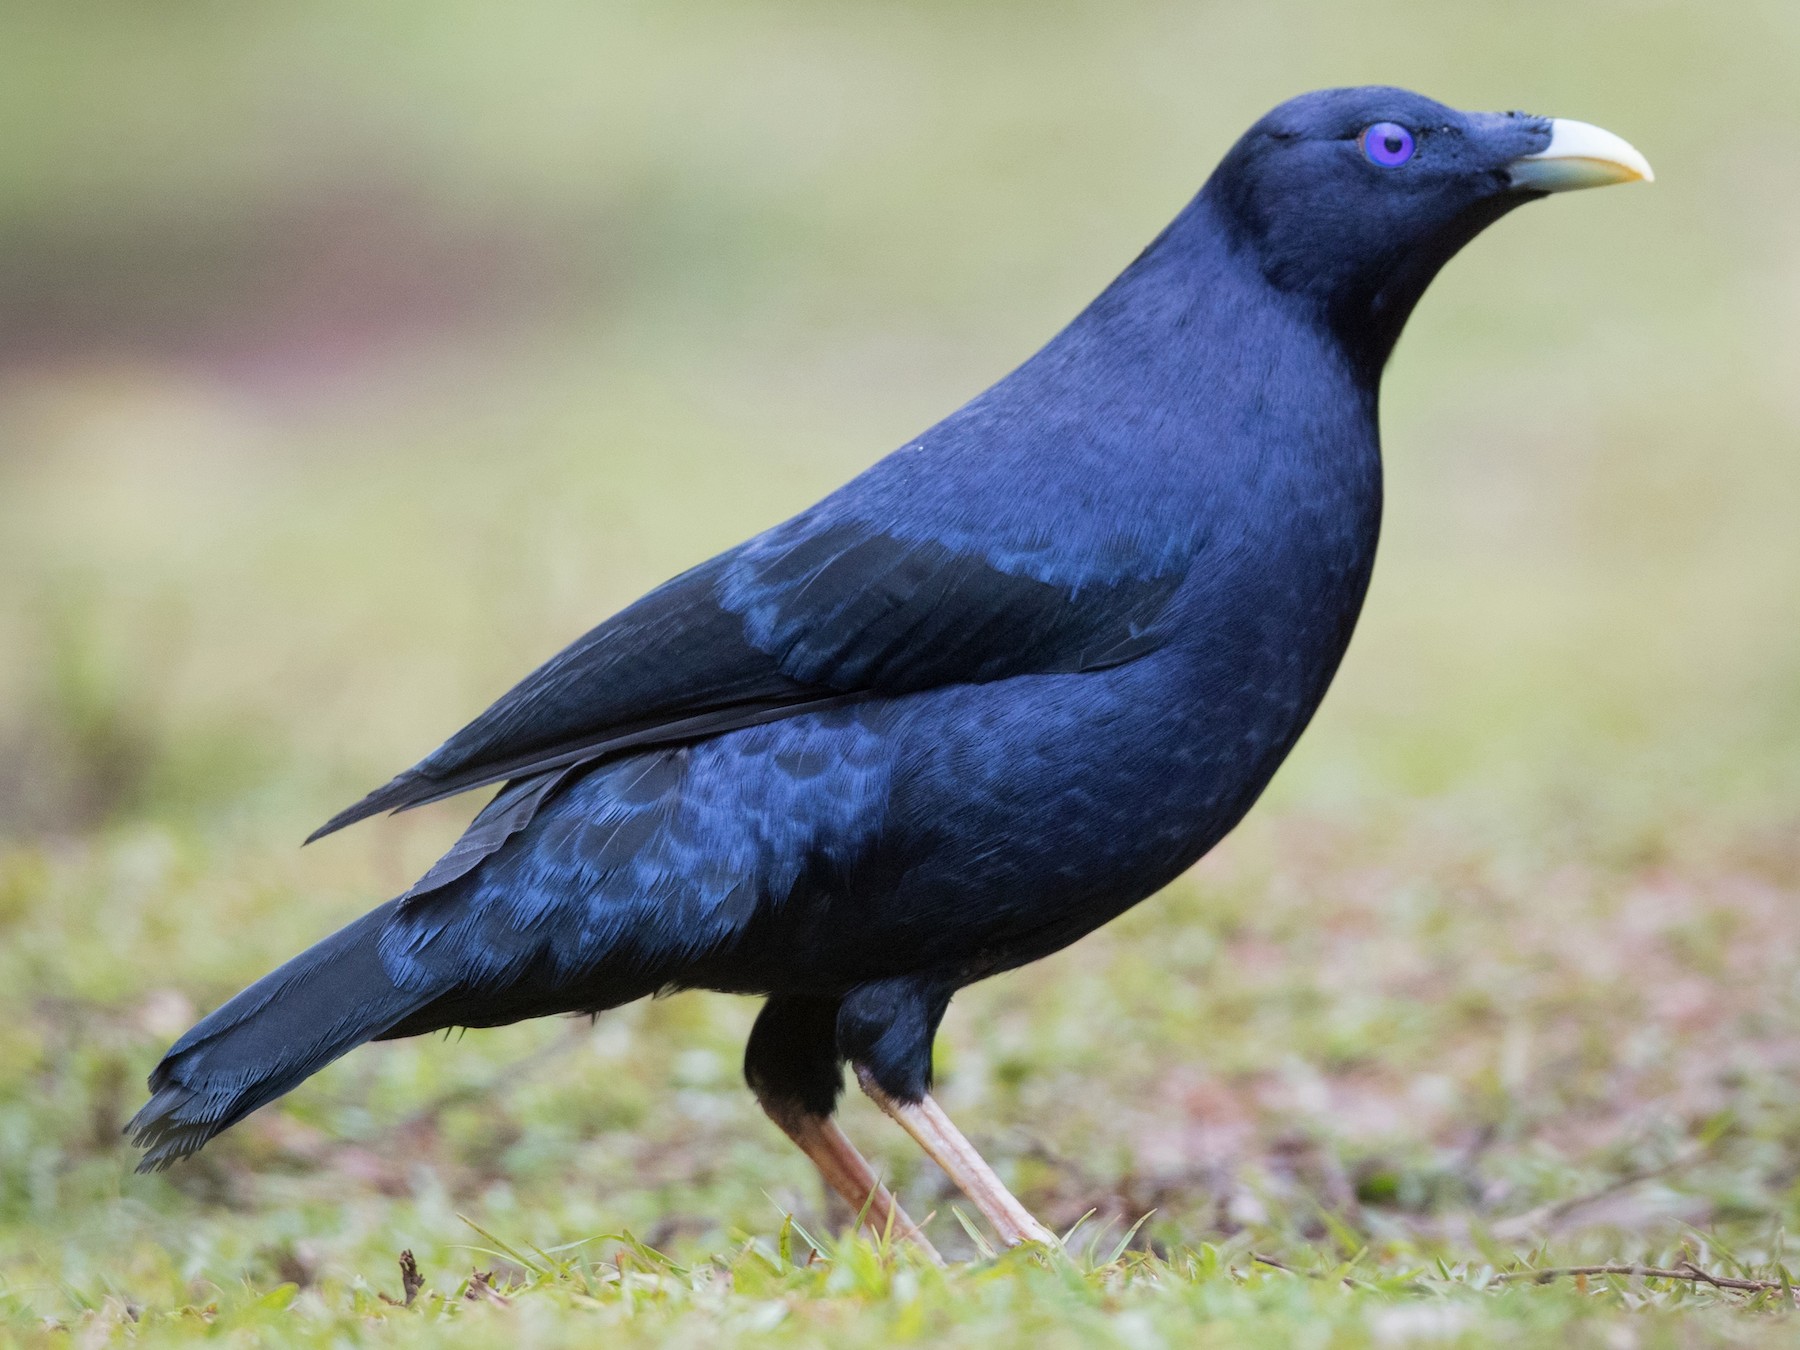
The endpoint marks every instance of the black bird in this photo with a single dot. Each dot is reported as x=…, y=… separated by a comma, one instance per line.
x=993, y=692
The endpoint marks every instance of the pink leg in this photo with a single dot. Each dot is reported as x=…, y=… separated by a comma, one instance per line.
x=848, y=1173
x=946, y=1145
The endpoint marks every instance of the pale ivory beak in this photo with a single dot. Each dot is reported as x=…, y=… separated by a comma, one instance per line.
x=1580, y=156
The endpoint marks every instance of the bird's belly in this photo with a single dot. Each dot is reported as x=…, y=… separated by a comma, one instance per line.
x=1023, y=814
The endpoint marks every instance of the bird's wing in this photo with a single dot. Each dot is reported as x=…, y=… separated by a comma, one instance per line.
x=810, y=614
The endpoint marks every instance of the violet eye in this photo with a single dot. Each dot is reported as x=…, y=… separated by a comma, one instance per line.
x=1388, y=144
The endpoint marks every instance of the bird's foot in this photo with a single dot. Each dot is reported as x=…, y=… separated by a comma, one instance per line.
x=848, y=1173
x=950, y=1149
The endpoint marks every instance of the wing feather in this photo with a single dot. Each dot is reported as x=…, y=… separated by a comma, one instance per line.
x=809, y=615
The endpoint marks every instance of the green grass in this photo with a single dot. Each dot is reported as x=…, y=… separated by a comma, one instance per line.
x=791, y=1288
x=352, y=362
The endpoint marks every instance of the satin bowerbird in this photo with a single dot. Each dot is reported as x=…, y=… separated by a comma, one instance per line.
x=995, y=690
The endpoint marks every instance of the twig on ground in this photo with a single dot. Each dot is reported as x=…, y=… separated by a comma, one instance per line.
x=1687, y=1270
x=1273, y=1264
x=481, y=1286
x=411, y=1282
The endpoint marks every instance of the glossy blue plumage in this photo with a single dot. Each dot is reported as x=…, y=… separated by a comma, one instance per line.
x=998, y=688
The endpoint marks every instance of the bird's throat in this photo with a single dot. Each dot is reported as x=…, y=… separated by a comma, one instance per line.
x=1369, y=324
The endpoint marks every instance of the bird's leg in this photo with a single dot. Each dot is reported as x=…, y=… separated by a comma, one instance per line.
x=848, y=1173
x=951, y=1150
x=885, y=1030
x=793, y=1067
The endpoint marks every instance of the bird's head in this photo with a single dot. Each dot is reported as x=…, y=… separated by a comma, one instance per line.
x=1356, y=197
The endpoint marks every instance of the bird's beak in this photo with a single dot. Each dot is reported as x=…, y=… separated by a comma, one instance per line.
x=1579, y=156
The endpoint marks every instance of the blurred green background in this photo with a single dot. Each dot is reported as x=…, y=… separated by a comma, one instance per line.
x=354, y=358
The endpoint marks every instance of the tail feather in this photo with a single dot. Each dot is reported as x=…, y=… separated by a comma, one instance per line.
x=281, y=1030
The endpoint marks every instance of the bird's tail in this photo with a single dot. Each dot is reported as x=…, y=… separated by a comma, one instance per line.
x=282, y=1029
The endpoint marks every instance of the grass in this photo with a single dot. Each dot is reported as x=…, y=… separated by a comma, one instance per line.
x=795, y=1289
x=350, y=365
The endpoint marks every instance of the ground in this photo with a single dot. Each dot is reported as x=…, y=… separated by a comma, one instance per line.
x=349, y=367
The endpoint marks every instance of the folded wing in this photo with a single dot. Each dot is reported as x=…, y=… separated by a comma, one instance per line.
x=810, y=614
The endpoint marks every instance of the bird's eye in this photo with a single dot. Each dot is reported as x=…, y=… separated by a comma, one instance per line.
x=1388, y=144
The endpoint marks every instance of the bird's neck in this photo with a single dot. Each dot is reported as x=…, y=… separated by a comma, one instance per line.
x=1199, y=297
x=1363, y=304
x=1195, y=328
x=1192, y=404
